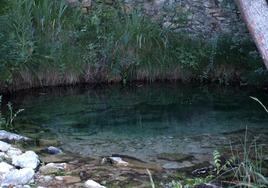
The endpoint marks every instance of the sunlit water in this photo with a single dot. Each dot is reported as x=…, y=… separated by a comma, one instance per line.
x=141, y=121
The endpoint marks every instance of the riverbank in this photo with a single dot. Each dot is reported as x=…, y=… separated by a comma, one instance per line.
x=109, y=44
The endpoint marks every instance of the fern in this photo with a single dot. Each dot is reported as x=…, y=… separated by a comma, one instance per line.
x=217, y=160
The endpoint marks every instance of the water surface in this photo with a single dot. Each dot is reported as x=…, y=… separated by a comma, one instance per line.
x=143, y=120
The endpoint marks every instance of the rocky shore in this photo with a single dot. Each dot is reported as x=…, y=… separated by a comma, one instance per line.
x=20, y=168
x=23, y=163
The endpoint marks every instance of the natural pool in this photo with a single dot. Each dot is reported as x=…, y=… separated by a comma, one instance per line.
x=142, y=121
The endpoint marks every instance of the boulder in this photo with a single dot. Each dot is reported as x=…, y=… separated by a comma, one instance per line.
x=4, y=135
x=4, y=146
x=29, y=159
x=13, y=152
x=18, y=177
x=92, y=184
x=3, y=156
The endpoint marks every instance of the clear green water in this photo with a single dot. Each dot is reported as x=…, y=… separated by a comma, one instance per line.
x=141, y=121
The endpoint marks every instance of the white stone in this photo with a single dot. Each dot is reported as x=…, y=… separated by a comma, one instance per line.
x=3, y=155
x=118, y=161
x=92, y=184
x=29, y=159
x=4, y=135
x=4, y=146
x=18, y=177
x=5, y=167
x=13, y=152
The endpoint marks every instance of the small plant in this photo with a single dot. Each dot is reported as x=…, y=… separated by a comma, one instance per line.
x=8, y=123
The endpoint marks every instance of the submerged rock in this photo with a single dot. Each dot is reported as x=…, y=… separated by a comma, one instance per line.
x=4, y=146
x=118, y=161
x=93, y=184
x=29, y=159
x=68, y=179
x=177, y=165
x=45, y=142
x=175, y=157
x=52, y=150
x=18, y=177
x=4, y=135
x=52, y=168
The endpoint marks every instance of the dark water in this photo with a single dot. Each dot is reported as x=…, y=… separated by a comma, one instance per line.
x=141, y=121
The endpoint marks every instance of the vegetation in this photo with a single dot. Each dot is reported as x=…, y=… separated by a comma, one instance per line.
x=242, y=169
x=49, y=43
x=8, y=123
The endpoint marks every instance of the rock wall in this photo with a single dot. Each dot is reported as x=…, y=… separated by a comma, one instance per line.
x=197, y=17
x=205, y=17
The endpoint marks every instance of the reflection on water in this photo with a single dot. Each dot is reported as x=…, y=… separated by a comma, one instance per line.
x=142, y=121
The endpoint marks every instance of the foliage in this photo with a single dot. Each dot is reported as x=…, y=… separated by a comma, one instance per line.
x=48, y=43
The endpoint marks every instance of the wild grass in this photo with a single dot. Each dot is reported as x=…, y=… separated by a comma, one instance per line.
x=50, y=43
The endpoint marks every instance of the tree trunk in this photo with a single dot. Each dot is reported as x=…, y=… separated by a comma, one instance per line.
x=255, y=14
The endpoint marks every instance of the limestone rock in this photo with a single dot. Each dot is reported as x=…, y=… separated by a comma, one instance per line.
x=4, y=135
x=18, y=177
x=3, y=156
x=4, y=146
x=92, y=184
x=13, y=152
x=29, y=159
x=5, y=167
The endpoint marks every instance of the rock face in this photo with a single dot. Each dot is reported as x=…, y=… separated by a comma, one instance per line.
x=4, y=135
x=29, y=159
x=18, y=177
x=93, y=184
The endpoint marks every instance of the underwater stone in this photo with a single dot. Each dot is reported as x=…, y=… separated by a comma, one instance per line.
x=53, y=150
x=29, y=159
x=51, y=168
x=118, y=161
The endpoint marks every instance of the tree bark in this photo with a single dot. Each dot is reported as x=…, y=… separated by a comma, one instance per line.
x=255, y=14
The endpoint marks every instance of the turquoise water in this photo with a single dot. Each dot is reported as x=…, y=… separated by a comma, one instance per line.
x=142, y=120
